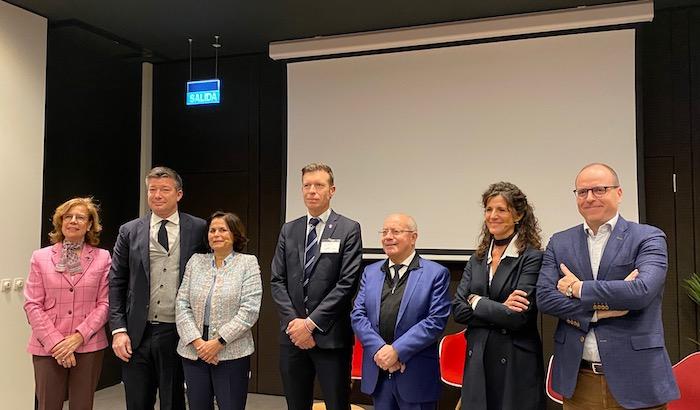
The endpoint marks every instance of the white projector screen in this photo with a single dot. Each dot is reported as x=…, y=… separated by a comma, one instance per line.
x=425, y=132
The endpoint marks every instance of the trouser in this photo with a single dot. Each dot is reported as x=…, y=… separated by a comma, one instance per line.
x=53, y=381
x=592, y=393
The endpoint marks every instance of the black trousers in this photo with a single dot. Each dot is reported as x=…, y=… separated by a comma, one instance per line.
x=155, y=366
x=227, y=381
x=298, y=368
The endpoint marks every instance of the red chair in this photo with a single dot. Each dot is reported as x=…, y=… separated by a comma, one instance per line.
x=453, y=355
x=356, y=371
x=687, y=373
x=556, y=397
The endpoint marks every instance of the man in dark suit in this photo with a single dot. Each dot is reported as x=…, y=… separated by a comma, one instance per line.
x=315, y=273
x=399, y=315
x=148, y=262
x=604, y=280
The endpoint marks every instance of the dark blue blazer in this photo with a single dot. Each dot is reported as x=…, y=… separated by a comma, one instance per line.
x=422, y=317
x=333, y=281
x=130, y=274
x=637, y=367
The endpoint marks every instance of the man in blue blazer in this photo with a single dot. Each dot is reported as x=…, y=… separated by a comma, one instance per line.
x=604, y=280
x=400, y=312
x=148, y=262
x=315, y=272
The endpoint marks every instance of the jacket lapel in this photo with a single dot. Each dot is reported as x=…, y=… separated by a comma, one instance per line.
x=612, y=248
x=583, y=259
x=374, y=288
x=413, y=279
x=86, y=258
x=327, y=232
x=142, y=236
x=185, y=228
x=501, y=276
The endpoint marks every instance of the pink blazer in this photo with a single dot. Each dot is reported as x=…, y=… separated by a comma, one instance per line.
x=58, y=305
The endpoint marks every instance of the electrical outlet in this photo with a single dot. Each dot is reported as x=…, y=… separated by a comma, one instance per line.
x=6, y=285
x=18, y=283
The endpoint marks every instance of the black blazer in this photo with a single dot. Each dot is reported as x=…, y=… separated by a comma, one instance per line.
x=332, y=285
x=510, y=337
x=130, y=276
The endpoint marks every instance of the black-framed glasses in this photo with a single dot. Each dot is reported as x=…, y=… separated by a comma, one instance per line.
x=598, y=191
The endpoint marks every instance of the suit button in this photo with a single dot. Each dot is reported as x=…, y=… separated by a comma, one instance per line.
x=470, y=353
x=70, y=290
x=581, y=339
x=503, y=360
x=165, y=269
x=503, y=331
x=69, y=312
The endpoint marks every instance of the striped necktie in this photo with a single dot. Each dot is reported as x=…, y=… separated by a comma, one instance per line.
x=310, y=254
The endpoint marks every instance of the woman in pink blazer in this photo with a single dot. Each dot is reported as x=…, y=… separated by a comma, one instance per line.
x=67, y=305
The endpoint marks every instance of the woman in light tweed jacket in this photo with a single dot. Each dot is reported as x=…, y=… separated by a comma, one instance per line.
x=217, y=305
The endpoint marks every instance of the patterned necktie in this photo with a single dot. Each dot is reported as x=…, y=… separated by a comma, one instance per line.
x=163, y=235
x=310, y=254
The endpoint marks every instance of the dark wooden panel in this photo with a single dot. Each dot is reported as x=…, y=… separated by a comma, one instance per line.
x=92, y=135
x=662, y=210
x=694, y=48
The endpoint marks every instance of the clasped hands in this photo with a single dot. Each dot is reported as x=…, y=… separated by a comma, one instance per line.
x=570, y=280
x=387, y=358
x=300, y=332
x=64, y=350
x=208, y=350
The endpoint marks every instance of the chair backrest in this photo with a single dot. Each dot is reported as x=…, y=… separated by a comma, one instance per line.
x=356, y=371
x=687, y=373
x=556, y=397
x=453, y=354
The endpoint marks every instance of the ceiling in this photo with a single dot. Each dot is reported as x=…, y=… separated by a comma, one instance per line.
x=157, y=30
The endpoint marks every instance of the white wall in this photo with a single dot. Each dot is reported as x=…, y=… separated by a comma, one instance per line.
x=22, y=98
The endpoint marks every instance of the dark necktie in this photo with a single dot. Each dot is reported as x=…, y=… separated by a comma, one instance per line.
x=310, y=254
x=395, y=279
x=163, y=235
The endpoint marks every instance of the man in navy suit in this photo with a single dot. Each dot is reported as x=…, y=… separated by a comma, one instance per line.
x=604, y=280
x=400, y=312
x=148, y=262
x=315, y=272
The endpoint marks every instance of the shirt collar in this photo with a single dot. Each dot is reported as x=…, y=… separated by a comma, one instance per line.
x=173, y=219
x=227, y=259
x=611, y=223
x=510, y=252
x=323, y=217
x=406, y=261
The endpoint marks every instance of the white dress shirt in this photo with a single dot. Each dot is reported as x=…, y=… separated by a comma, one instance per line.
x=404, y=268
x=596, y=246
x=510, y=252
x=172, y=227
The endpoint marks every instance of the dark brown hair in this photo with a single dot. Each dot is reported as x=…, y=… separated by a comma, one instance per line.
x=527, y=227
x=92, y=236
x=235, y=225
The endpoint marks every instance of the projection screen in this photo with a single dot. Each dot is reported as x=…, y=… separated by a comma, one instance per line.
x=425, y=132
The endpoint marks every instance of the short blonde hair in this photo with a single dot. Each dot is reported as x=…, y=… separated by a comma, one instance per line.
x=92, y=236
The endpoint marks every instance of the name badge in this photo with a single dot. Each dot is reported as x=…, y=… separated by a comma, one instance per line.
x=330, y=246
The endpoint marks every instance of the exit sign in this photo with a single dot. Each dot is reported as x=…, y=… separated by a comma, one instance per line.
x=203, y=92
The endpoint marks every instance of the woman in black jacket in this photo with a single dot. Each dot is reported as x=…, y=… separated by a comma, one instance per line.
x=496, y=300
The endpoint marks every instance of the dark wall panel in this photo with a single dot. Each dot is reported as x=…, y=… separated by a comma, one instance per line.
x=231, y=157
x=91, y=147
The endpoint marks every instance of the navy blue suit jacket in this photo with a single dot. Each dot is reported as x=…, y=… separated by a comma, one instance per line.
x=422, y=317
x=632, y=349
x=130, y=275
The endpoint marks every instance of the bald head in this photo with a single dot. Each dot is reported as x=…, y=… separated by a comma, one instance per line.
x=599, y=166
x=399, y=235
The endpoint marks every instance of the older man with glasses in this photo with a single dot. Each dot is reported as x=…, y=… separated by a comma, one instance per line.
x=604, y=280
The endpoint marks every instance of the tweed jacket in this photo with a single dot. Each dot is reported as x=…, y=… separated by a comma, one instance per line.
x=235, y=303
x=58, y=304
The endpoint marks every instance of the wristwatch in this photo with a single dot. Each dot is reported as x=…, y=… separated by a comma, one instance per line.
x=222, y=341
x=570, y=290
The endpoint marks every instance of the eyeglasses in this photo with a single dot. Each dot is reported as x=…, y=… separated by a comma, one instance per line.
x=598, y=191
x=393, y=232
x=80, y=218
